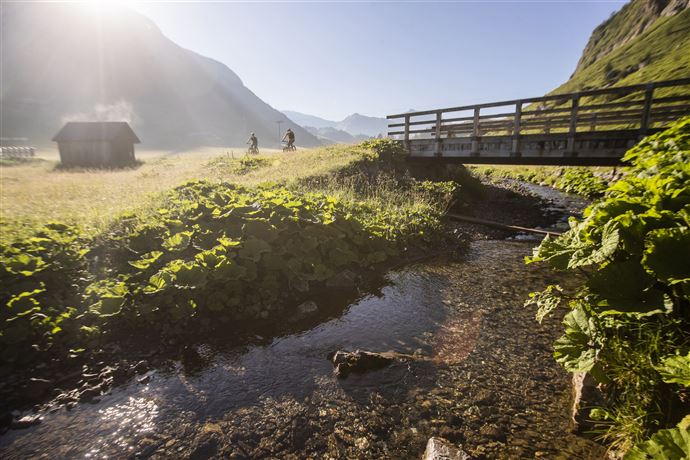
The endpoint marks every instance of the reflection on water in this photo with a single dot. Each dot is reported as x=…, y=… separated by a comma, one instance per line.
x=280, y=397
x=124, y=422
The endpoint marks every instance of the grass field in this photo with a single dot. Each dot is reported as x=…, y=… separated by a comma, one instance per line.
x=36, y=192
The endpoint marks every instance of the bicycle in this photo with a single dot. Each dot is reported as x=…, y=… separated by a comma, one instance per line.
x=253, y=150
x=289, y=148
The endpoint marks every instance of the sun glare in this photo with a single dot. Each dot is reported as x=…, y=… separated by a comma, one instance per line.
x=99, y=7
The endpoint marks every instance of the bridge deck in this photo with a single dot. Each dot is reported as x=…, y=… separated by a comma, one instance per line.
x=593, y=127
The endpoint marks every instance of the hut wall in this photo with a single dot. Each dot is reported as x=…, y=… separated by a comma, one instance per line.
x=122, y=153
x=86, y=153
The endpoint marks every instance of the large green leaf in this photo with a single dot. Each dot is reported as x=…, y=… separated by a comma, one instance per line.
x=667, y=254
x=670, y=444
x=625, y=287
x=675, y=369
x=178, y=242
x=108, y=305
x=577, y=350
x=190, y=275
x=252, y=248
x=597, y=253
x=146, y=260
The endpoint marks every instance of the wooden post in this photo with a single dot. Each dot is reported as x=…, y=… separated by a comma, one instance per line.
x=646, y=110
x=516, y=130
x=406, y=137
x=570, y=149
x=593, y=124
x=439, y=118
x=475, y=133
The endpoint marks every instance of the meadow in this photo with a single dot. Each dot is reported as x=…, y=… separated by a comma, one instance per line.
x=37, y=192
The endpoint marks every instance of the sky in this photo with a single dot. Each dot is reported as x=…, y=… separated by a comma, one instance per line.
x=378, y=58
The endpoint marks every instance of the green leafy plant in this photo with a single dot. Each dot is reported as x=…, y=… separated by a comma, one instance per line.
x=630, y=316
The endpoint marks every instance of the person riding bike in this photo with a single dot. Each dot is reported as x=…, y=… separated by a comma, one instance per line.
x=253, y=144
x=290, y=136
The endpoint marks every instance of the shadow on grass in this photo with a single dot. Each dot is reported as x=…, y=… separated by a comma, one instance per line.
x=9, y=162
x=84, y=169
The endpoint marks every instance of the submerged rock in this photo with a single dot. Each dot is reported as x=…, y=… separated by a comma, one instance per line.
x=26, y=421
x=346, y=279
x=440, y=449
x=359, y=362
x=305, y=310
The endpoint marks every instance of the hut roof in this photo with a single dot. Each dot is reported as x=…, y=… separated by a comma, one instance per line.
x=96, y=131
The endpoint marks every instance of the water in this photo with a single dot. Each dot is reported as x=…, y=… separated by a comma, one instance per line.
x=487, y=381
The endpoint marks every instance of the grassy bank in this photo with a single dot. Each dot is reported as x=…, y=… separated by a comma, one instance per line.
x=244, y=240
x=587, y=182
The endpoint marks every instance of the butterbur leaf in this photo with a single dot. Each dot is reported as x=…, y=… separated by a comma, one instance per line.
x=260, y=229
x=252, y=249
x=24, y=264
x=146, y=260
x=667, y=254
x=554, y=251
x=178, y=241
x=625, y=287
x=675, y=369
x=190, y=275
x=25, y=301
x=546, y=301
x=669, y=444
x=108, y=306
x=596, y=254
x=228, y=242
x=577, y=350
x=159, y=281
x=228, y=270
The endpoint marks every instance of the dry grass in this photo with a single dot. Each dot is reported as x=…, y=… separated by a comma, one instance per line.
x=34, y=193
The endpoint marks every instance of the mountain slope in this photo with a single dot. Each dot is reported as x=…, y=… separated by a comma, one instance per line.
x=335, y=136
x=119, y=66
x=625, y=25
x=304, y=119
x=646, y=40
x=355, y=124
x=362, y=124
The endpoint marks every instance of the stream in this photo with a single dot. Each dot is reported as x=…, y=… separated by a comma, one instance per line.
x=488, y=381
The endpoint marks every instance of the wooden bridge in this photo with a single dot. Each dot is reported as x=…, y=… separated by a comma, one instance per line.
x=593, y=127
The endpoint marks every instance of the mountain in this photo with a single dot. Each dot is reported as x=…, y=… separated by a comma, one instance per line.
x=335, y=136
x=646, y=40
x=354, y=124
x=303, y=119
x=62, y=62
x=362, y=124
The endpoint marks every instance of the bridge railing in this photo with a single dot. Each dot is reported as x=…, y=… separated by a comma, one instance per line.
x=637, y=107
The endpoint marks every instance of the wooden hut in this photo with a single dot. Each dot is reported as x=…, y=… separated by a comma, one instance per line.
x=96, y=143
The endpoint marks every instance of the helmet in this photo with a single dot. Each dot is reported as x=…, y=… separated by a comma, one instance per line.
x=252, y=134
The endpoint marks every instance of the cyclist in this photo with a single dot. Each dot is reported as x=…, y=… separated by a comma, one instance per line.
x=253, y=144
x=290, y=137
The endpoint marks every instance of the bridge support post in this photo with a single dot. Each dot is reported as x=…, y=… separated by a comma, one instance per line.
x=439, y=142
x=647, y=110
x=515, y=151
x=572, y=131
x=406, y=138
x=475, y=133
